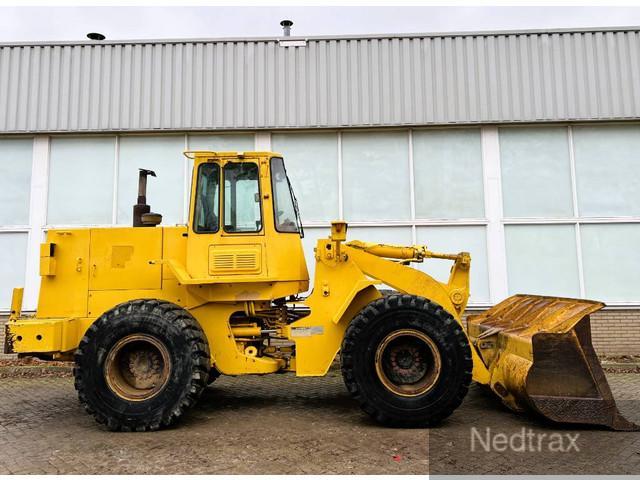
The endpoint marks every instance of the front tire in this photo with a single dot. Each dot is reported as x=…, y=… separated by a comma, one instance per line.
x=406, y=361
x=141, y=365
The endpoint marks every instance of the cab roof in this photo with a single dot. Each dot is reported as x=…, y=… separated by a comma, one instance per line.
x=209, y=154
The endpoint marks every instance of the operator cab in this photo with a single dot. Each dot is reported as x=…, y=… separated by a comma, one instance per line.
x=245, y=225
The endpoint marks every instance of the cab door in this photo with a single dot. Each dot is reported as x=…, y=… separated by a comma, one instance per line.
x=226, y=238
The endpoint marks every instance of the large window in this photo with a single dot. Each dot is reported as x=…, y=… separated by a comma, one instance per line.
x=81, y=180
x=375, y=169
x=312, y=166
x=16, y=155
x=536, y=173
x=611, y=259
x=242, y=212
x=608, y=170
x=542, y=259
x=234, y=142
x=448, y=174
x=165, y=193
x=13, y=254
x=207, y=207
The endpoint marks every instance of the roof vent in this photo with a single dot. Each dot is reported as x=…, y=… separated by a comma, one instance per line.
x=286, y=27
x=95, y=36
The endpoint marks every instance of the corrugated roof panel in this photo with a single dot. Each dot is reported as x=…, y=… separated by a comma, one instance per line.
x=328, y=82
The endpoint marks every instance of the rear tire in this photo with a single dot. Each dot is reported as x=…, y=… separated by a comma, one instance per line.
x=406, y=361
x=141, y=365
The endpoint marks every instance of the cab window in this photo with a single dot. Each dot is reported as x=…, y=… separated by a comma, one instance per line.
x=241, y=198
x=206, y=217
x=284, y=206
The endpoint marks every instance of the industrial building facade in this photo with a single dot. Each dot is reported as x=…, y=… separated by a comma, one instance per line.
x=520, y=147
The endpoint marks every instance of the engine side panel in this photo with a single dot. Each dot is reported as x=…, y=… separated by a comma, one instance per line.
x=120, y=259
x=64, y=290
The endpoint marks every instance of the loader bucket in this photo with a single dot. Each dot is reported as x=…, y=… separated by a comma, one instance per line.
x=539, y=355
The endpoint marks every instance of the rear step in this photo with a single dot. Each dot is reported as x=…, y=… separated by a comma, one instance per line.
x=539, y=353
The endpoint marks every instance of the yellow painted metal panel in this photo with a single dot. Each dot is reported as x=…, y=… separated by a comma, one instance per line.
x=242, y=292
x=174, y=247
x=47, y=262
x=47, y=249
x=58, y=335
x=47, y=266
x=65, y=294
x=120, y=258
x=102, y=300
x=16, y=302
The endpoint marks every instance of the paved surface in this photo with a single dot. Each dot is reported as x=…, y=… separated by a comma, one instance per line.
x=253, y=425
x=538, y=447
x=278, y=424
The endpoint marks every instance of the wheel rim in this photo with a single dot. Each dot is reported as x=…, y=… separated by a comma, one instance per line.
x=408, y=362
x=137, y=367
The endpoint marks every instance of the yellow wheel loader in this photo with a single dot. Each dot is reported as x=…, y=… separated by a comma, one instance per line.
x=153, y=314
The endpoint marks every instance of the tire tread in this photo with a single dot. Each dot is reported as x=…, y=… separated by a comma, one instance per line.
x=199, y=353
x=361, y=322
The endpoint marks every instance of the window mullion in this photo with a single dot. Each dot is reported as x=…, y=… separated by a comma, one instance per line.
x=412, y=191
x=116, y=167
x=572, y=166
x=496, y=253
x=340, y=194
x=37, y=218
x=187, y=184
x=576, y=214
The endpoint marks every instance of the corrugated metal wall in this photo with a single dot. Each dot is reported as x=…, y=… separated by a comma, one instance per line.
x=327, y=83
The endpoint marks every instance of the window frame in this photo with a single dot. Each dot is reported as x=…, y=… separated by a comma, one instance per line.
x=223, y=205
x=195, y=204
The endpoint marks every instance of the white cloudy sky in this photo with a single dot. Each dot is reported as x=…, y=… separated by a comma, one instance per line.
x=117, y=22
